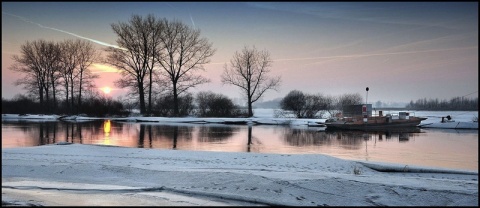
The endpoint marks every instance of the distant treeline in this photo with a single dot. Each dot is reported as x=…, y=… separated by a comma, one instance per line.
x=204, y=104
x=92, y=106
x=454, y=104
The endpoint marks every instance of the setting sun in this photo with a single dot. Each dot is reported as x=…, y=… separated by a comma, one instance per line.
x=106, y=90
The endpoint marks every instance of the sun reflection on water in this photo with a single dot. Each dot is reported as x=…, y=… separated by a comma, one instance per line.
x=106, y=130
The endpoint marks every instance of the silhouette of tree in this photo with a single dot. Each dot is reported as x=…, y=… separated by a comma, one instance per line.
x=248, y=71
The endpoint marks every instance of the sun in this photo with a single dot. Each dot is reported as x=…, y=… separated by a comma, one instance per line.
x=106, y=90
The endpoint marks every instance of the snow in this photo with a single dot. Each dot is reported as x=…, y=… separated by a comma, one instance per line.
x=30, y=116
x=264, y=118
x=92, y=175
x=451, y=125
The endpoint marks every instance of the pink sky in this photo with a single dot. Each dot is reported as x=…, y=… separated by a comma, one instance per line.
x=401, y=51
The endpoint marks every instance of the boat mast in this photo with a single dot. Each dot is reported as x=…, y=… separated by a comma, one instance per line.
x=366, y=98
x=365, y=109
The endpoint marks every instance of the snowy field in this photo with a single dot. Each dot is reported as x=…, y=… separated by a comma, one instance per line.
x=92, y=175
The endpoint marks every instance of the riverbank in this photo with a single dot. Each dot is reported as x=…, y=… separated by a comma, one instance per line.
x=93, y=175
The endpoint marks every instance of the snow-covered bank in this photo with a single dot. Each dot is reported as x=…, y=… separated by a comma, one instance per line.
x=163, y=177
x=261, y=116
x=170, y=120
x=30, y=116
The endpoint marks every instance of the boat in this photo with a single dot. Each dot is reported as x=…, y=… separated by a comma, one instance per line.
x=351, y=119
x=448, y=123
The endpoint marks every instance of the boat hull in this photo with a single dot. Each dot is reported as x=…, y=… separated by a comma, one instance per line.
x=370, y=126
x=375, y=123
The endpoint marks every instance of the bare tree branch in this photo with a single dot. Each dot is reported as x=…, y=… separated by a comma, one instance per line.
x=248, y=71
x=182, y=53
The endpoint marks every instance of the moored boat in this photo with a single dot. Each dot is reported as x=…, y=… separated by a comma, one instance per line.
x=353, y=120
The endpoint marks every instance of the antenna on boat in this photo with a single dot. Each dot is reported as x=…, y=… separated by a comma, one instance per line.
x=366, y=98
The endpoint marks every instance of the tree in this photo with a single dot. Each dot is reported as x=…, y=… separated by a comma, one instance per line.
x=304, y=105
x=86, y=57
x=38, y=61
x=138, y=40
x=210, y=104
x=294, y=101
x=76, y=58
x=163, y=105
x=70, y=61
x=349, y=99
x=248, y=71
x=181, y=54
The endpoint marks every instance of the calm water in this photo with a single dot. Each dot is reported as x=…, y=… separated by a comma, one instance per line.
x=426, y=147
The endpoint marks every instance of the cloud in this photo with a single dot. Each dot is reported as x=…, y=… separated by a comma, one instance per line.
x=63, y=31
x=192, y=21
x=376, y=54
x=101, y=68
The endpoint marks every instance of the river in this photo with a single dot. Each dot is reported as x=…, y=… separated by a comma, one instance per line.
x=444, y=148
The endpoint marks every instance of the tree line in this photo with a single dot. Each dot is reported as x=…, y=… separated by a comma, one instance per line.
x=203, y=104
x=159, y=60
x=455, y=103
x=56, y=69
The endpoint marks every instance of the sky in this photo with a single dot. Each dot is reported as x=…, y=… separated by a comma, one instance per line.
x=88, y=175
x=402, y=51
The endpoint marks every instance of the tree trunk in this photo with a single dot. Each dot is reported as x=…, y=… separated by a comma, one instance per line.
x=175, y=100
x=47, y=100
x=40, y=89
x=249, y=97
x=80, y=93
x=250, y=111
x=150, y=94
x=54, y=97
x=72, y=100
x=66, y=97
x=141, y=95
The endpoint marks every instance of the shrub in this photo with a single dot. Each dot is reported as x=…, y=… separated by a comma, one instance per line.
x=21, y=104
x=163, y=106
x=304, y=105
x=210, y=104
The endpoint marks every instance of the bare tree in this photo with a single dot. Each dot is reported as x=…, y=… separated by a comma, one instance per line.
x=50, y=61
x=182, y=53
x=38, y=61
x=138, y=40
x=70, y=62
x=332, y=106
x=86, y=57
x=349, y=99
x=248, y=71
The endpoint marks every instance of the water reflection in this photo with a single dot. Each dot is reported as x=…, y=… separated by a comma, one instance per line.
x=155, y=135
x=346, y=138
x=217, y=134
x=406, y=145
x=163, y=136
x=106, y=131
